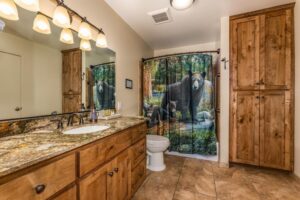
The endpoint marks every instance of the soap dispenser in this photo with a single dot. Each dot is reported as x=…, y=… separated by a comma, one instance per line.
x=94, y=115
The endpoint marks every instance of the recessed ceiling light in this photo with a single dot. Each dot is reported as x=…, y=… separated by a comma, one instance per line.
x=181, y=4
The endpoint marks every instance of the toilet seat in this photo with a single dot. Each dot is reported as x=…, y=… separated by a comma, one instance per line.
x=156, y=140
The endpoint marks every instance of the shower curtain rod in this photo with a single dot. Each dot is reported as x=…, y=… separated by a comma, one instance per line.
x=92, y=66
x=178, y=54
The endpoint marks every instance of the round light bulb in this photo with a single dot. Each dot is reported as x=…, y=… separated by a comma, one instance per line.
x=85, y=31
x=85, y=45
x=66, y=36
x=8, y=10
x=61, y=17
x=181, y=4
x=101, y=40
x=31, y=5
x=41, y=24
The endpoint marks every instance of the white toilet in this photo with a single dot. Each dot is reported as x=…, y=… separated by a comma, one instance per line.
x=156, y=146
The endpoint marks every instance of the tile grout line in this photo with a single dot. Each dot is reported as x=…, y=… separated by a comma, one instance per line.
x=213, y=171
x=178, y=179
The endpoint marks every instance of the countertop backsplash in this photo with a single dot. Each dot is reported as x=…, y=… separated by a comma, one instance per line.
x=14, y=127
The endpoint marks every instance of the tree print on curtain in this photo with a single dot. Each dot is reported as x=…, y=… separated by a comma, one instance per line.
x=179, y=101
x=104, y=86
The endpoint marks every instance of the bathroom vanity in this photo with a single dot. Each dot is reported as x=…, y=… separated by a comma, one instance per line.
x=105, y=165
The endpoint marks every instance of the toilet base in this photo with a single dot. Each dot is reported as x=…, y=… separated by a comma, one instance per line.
x=156, y=162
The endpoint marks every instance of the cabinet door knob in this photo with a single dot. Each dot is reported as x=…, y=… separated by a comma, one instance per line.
x=116, y=170
x=40, y=188
x=111, y=174
x=18, y=108
x=257, y=97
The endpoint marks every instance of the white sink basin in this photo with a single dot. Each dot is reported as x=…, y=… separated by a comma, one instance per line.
x=86, y=130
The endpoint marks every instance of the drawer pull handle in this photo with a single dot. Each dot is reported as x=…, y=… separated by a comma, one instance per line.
x=116, y=170
x=40, y=188
x=111, y=174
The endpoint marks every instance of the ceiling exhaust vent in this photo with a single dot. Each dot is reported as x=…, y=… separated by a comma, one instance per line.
x=161, y=16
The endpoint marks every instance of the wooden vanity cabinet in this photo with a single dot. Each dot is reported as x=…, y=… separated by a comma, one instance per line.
x=69, y=194
x=41, y=183
x=111, y=168
x=262, y=88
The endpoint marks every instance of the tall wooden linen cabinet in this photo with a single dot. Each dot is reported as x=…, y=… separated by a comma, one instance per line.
x=262, y=88
x=72, y=80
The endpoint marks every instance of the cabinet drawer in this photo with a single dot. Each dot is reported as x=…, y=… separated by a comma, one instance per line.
x=103, y=151
x=138, y=152
x=138, y=132
x=41, y=183
x=138, y=176
x=70, y=194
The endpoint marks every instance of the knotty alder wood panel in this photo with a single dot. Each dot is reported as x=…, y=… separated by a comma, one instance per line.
x=245, y=53
x=70, y=194
x=244, y=137
x=71, y=103
x=72, y=71
x=276, y=50
x=52, y=177
x=121, y=167
x=275, y=129
x=266, y=140
x=96, y=185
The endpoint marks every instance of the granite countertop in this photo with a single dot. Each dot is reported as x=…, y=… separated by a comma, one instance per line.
x=23, y=150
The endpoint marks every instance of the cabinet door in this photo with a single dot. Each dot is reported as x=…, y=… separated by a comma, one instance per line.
x=245, y=39
x=71, y=103
x=275, y=129
x=70, y=194
x=121, y=187
x=96, y=185
x=276, y=59
x=244, y=140
x=72, y=71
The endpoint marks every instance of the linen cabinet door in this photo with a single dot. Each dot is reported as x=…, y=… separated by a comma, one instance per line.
x=96, y=185
x=244, y=140
x=276, y=130
x=121, y=187
x=276, y=60
x=245, y=50
x=71, y=103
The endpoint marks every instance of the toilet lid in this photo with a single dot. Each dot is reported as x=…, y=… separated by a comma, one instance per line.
x=154, y=139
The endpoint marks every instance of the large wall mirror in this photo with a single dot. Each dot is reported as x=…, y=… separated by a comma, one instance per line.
x=39, y=75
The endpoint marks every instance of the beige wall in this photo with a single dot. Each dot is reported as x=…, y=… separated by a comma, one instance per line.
x=197, y=47
x=224, y=94
x=40, y=80
x=129, y=47
x=297, y=93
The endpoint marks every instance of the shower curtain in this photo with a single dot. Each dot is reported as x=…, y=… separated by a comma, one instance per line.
x=178, y=98
x=104, y=86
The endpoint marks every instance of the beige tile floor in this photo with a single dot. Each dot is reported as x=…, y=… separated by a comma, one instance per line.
x=191, y=179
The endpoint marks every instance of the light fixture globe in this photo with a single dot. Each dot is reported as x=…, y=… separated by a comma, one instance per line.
x=41, y=24
x=8, y=10
x=66, y=36
x=85, y=45
x=31, y=5
x=61, y=17
x=181, y=4
x=85, y=31
x=101, y=40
